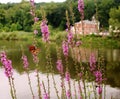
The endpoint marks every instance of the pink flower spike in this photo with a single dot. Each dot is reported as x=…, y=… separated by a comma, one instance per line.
x=68, y=94
x=92, y=61
x=99, y=90
x=45, y=31
x=7, y=64
x=67, y=76
x=59, y=66
x=25, y=62
x=65, y=48
x=32, y=12
x=78, y=43
x=36, y=19
x=46, y=96
x=32, y=3
x=35, y=59
x=70, y=37
x=35, y=32
x=81, y=7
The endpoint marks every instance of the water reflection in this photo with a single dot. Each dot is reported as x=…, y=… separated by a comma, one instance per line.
x=111, y=59
x=23, y=91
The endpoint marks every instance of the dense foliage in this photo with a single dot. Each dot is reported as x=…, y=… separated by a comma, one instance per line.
x=115, y=17
x=17, y=17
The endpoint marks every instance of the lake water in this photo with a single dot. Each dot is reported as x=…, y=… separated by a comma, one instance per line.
x=111, y=59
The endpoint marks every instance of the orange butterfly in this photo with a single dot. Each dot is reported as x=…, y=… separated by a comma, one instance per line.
x=34, y=50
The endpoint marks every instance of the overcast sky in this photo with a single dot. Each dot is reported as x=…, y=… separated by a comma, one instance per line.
x=11, y=1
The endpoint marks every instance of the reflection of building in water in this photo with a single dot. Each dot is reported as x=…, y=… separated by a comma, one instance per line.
x=83, y=54
x=88, y=26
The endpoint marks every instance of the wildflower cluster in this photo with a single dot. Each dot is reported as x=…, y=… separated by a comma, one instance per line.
x=45, y=30
x=25, y=62
x=98, y=79
x=92, y=61
x=46, y=96
x=81, y=7
x=69, y=36
x=32, y=12
x=78, y=43
x=65, y=48
x=59, y=66
x=67, y=76
x=7, y=64
x=98, y=75
x=68, y=94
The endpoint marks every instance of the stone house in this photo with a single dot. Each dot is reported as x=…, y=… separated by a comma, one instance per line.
x=89, y=27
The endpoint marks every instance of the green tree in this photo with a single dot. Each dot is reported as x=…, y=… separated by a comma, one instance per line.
x=2, y=16
x=104, y=7
x=114, y=20
x=115, y=17
x=89, y=9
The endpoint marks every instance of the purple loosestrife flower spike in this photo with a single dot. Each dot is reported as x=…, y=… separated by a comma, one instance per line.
x=70, y=37
x=59, y=66
x=92, y=61
x=46, y=96
x=32, y=13
x=78, y=43
x=35, y=32
x=68, y=94
x=7, y=64
x=81, y=7
x=32, y=3
x=99, y=90
x=45, y=31
x=98, y=76
x=65, y=48
x=25, y=62
x=36, y=19
x=35, y=59
x=67, y=76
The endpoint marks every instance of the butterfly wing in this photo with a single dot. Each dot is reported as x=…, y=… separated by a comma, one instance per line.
x=34, y=50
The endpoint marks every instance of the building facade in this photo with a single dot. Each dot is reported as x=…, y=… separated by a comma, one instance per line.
x=86, y=27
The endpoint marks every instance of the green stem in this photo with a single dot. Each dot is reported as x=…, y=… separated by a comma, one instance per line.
x=11, y=89
x=29, y=82
x=63, y=88
x=14, y=90
x=75, y=89
x=94, y=90
x=84, y=89
x=48, y=66
x=81, y=96
x=55, y=86
x=67, y=70
x=39, y=90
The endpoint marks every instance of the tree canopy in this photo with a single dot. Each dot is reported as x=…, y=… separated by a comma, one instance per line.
x=16, y=16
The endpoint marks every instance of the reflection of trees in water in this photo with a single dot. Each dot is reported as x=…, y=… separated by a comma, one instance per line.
x=113, y=74
x=109, y=62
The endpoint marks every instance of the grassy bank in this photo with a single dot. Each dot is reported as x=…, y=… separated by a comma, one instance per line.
x=58, y=36
x=100, y=42
x=16, y=35
x=89, y=40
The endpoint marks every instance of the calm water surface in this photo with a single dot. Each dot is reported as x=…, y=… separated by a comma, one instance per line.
x=112, y=63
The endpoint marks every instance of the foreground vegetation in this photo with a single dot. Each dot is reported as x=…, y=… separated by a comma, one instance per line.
x=90, y=68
